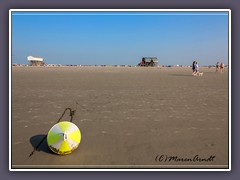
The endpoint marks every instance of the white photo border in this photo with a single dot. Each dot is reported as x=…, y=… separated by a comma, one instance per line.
x=105, y=168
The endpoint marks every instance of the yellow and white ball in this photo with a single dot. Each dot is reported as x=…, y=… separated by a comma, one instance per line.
x=64, y=137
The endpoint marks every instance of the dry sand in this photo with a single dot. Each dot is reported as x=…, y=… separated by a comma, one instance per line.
x=128, y=117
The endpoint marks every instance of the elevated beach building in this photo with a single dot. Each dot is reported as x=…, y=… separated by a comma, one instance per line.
x=149, y=61
x=35, y=61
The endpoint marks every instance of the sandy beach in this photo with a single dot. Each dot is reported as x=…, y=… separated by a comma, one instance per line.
x=129, y=117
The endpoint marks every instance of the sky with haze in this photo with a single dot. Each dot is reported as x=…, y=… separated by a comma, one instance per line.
x=120, y=38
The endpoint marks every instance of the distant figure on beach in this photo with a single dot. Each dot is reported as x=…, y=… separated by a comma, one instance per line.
x=193, y=66
x=217, y=67
x=196, y=70
x=196, y=67
x=221, y=67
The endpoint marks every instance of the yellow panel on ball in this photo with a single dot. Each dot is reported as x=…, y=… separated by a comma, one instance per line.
x=64, y=137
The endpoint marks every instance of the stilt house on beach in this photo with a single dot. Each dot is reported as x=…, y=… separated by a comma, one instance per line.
x=35, y=61
x=149, y=61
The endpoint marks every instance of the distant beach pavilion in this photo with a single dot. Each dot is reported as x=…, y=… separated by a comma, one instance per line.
x=35, y=61
x=149, y=61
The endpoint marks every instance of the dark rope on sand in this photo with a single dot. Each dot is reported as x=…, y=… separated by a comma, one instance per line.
x=72, y=113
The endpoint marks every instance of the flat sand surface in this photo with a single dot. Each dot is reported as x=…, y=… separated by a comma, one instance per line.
x=129, y=117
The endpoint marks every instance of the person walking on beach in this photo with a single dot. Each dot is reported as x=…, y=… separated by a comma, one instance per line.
x=196, y=67
x=217, y=67
x=221, y=67
x=193, y=67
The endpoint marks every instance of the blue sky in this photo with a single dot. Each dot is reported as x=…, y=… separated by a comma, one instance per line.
x=115, y=38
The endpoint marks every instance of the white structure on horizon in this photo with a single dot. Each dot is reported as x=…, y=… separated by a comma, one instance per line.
x=35, y=61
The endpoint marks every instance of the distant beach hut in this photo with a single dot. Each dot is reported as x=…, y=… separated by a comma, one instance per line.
x=149, y=61
x=35, y=61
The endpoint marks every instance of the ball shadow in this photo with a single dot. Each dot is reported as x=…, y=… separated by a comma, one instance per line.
x=39, y=143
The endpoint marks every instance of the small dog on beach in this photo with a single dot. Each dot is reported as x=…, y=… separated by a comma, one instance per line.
x=198, y=74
